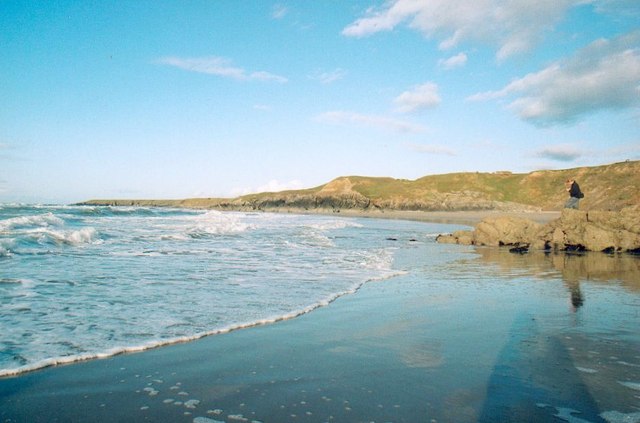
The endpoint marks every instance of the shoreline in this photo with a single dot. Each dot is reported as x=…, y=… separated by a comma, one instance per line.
x=459, y=217
x=137, y=349
x=469, y=218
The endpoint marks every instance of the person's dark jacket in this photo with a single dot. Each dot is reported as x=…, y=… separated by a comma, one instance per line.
x=575, y=190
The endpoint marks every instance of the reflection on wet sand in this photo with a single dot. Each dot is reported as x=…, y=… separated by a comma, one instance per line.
x=579, y=370
x=574, y=268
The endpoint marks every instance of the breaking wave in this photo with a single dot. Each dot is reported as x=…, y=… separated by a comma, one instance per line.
x=89, y=282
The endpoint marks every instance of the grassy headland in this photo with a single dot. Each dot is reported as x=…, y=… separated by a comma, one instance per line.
x=607, y=187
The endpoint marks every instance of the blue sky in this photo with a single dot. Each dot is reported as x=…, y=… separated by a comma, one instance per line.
x=173, y=99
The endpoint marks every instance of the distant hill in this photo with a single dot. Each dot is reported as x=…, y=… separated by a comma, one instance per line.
x=608, y=187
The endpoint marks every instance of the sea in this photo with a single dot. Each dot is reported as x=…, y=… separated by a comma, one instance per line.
x=82, y=282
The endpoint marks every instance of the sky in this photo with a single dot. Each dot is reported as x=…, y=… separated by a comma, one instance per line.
x=220, y=98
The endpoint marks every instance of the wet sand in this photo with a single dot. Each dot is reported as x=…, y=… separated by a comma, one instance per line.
x=469, y=218
x=490, y=337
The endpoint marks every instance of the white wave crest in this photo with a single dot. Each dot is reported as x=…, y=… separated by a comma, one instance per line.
x=381, y=260
x=335, y=224
x=81, y=236
x=42, y=220
x=6, y=245
x=217, y=223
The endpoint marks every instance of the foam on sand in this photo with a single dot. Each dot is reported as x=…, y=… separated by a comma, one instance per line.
x=155, y=344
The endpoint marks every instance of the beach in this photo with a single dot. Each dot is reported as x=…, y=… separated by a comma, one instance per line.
x=461, y=334
x=458, y=217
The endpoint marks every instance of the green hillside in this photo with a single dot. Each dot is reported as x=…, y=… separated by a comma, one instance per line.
x=608, y=187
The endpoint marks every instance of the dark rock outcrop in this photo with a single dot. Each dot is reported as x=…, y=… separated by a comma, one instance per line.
x=574, y=231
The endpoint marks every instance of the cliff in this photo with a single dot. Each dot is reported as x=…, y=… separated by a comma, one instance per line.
x=608, y=187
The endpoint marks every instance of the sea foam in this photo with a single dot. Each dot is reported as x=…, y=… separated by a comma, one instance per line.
x=217, y=223
x=70, y=237
x=47, y=219
x=110, y=281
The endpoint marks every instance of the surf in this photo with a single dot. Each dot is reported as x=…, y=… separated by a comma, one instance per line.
x=82, y=283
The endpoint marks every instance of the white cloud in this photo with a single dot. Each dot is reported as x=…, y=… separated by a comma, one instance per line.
x=328, y=77
x=432, y=149
x=219, y=66
x=512, y=26
x=279, y=11
x=267, y=76
x=604, y=75
x=424, y=96
x=561, y=153
x=271, y=186
x=456, y=61
x=370, y=121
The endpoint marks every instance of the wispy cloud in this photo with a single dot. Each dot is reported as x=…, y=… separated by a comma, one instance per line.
x=421, y=97
x=279, y=11
x=219, y=66
x=604, y=75
x=370, y=121
x=452, y=62
x=512, y=26
x=431, y=149
x=561, y=153
x=328, y=77
x=572, y=153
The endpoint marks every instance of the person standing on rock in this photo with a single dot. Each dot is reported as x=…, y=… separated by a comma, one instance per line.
x=575, y=194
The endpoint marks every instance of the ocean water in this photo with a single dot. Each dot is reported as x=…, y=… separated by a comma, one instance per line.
x=88, y=282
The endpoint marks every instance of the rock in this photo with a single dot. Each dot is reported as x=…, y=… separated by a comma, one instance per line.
x=503, y=230
x=464, y=237
x=447, y=239
x=519, y=250
x=575, y=230
x=458, y=237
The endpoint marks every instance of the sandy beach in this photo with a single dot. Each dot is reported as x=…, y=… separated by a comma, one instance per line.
x=468, y=218
x=490, y=336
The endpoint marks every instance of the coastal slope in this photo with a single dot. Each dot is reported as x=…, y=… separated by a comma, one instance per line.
x=608, y=187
